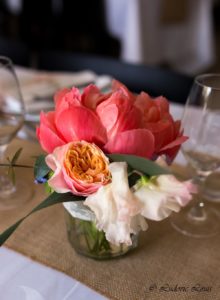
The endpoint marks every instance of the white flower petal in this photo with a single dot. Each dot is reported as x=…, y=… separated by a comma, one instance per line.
x=103, y=206
x=155, y=204
x=126, y=203
x=181, y=191
x=116, y=208
x=138, y=223
x=163, y=196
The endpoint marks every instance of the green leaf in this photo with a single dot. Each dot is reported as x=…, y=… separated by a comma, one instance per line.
x=12, y=162
x=11, y=174
x=41, y=169
x=141, y=164
x=53, y=199
x=16, y=156
x=6, y=234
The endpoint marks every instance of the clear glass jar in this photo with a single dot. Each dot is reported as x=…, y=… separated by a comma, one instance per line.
x=86, y=239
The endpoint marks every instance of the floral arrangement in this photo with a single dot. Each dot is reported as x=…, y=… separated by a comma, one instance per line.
x=103, y=149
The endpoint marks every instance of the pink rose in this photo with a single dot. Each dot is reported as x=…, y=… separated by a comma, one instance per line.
x=79, y=167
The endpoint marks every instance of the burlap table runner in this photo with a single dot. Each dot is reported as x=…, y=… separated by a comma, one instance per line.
x=167, y=265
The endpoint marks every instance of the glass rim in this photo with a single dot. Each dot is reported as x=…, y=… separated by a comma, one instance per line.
x=199, y=78
x=5, y=61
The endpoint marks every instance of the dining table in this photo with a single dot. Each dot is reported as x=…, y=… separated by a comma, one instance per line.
x=38, y=263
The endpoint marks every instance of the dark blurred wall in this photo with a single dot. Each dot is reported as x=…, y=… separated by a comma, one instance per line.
x=85, y=28
x=77, y=26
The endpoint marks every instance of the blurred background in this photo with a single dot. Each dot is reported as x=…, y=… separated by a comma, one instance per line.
x=182, y=35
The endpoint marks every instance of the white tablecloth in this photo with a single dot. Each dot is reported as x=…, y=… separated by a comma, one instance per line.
x=186, y=46
x=23, y=279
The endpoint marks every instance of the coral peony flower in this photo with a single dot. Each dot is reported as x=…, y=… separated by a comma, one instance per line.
x=118, y=122
x=138, y=142
x=79, y=167
x=71, y=121
x=117, y=113
x=158, y=120
x=162, y=195
x=116, y=208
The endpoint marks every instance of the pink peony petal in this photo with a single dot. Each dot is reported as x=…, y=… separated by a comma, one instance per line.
x=172, y=149
x=108, y=116
x=48, y=119
x=177, y=128
x=153, y=109
x=144, y=102
x=138, y=142
x=128, y=120
x=47, y=133
x=60, y=94
x=163, y=104
x=175, y=143
x=67, y=99
x=118, y=114
x=163, y=132
x=79, y=123
x=92, y=96
x=117, y=85
x=152, y=115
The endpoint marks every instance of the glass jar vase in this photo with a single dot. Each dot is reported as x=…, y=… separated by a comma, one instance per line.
x=86, y=239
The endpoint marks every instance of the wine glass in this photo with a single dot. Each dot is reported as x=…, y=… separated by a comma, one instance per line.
x=12, y=112
x=201, y=123
x=212, y=187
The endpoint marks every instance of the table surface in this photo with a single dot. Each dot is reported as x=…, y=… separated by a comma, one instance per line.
x=22, y=278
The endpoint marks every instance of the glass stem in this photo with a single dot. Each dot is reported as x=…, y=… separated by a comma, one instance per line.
x=2, y=167
x=6, y=185
x=2, y=152
x=198, y=212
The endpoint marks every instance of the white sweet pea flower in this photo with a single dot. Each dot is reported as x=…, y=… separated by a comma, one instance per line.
x=162, y=195
x=116, y=208
x=121, y=211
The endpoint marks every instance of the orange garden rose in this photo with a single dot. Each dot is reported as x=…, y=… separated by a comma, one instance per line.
x=79, y=167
